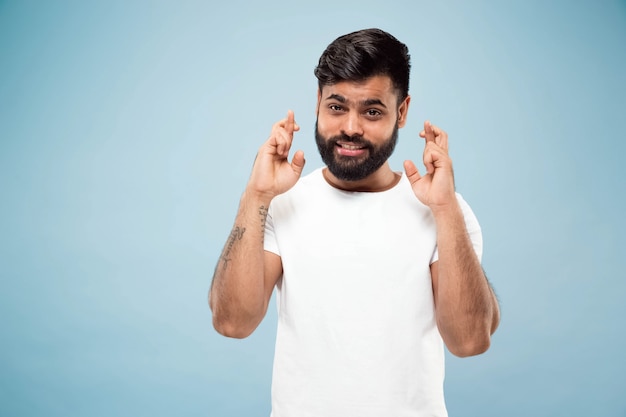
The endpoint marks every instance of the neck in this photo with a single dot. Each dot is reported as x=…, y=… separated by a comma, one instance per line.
x=381, y=180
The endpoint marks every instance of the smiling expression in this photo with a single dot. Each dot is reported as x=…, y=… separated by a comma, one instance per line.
x=357, y=126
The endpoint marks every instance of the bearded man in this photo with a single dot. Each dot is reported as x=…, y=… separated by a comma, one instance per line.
x=375, y=270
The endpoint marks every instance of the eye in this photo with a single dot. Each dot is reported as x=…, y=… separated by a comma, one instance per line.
x=335, y=107
x=373, y=113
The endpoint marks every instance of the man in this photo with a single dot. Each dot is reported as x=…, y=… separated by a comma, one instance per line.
x=374, y=269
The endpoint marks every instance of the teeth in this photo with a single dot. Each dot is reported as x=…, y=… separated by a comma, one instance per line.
x=350, y=147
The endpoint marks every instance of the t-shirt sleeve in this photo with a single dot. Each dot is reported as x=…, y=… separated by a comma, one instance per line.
x=473, y=229
x=269, y=241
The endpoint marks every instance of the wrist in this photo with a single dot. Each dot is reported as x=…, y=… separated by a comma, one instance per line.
x=447, y=213
x=252, y=195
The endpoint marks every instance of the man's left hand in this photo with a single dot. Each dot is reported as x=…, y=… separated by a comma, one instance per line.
x=436, y=188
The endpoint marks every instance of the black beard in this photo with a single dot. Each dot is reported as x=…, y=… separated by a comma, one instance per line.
x=351, y=168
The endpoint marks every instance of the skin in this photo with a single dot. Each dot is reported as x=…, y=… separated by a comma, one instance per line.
x=466, y=308
x=370, y=109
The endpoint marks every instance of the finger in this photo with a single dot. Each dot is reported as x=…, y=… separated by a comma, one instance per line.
x=429, y=135
x=441, y=137
x=281, y=123
x=277, y=139
x=290, y=123
x=429, y=159
x=282, y=134
x=411, y=171
x=283, y=140
x=298, y=161
x=436, y=157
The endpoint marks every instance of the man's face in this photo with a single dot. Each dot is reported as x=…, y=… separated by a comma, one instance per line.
x=357, y=126
x=358, y=158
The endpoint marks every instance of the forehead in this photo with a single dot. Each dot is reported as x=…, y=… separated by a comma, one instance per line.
x=378, y=87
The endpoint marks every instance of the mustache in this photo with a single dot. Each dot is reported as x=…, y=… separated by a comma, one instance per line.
x=358, y=140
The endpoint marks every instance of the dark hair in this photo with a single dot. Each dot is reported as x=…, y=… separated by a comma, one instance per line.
x=364, y=54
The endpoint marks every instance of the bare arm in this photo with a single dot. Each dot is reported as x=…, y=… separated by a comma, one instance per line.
x=245, y=274
x=243, y=281
x=465, y=306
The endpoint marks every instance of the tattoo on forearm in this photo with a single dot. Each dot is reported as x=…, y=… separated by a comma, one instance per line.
x=235, y=235
x=263, y=215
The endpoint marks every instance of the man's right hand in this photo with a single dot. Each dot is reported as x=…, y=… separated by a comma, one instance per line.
x=245, y=277
x=272, y=173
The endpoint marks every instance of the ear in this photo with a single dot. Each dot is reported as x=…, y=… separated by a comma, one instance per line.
x=403, y=111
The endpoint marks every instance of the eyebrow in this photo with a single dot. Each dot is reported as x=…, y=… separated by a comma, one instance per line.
x=364, y=103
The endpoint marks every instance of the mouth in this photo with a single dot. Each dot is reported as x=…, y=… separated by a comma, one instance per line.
x=350, y=148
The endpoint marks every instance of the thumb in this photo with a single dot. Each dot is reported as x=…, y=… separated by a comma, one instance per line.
x=411, y=172
x=298, y=161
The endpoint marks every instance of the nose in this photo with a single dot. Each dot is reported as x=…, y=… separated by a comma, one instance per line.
x=352, y=125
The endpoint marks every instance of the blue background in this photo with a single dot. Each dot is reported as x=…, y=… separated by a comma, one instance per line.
x=127, y=133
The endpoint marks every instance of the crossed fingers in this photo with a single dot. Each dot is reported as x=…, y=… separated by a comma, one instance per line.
x=436, y=147
x=434, y=134
x=282, y=133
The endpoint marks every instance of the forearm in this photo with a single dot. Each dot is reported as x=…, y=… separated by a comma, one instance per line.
x=466, y=307
x=238, y=294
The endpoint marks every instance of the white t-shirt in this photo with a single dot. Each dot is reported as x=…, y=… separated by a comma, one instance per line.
x=357, y=334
